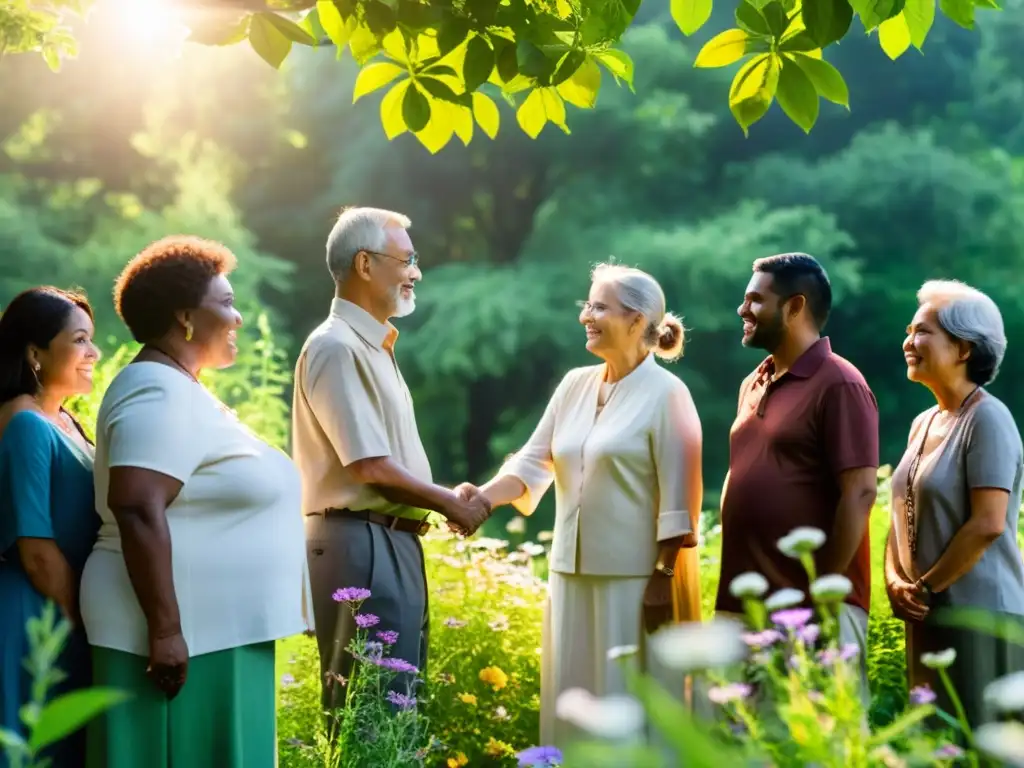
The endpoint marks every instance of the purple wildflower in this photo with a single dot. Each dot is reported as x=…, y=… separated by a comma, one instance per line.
x=762, y=639
x=949, y=752
x=849, y=651
x=351, y=595
x=396, y=665
x=400, y=700
x=809, y=635
x=540, y=757
x=921, y=695
x=387, y=636
x=792, y=618
x=723, y=694
x=373, y=650
x=454, y=623
x=287, y=679
x=366, y=620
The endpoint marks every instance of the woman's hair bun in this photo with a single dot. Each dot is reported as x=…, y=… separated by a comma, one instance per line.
x=671, y=338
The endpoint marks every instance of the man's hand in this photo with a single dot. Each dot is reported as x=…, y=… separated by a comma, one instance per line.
x=468, y=510
x=905, y=599
x=657, y=602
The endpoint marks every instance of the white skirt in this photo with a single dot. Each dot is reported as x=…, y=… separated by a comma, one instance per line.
x=584, y=618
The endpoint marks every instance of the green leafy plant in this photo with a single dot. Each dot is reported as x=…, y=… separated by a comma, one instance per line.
x=546, y=54
x=46, y=720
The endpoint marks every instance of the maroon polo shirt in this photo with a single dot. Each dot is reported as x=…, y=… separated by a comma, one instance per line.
x=791, y=440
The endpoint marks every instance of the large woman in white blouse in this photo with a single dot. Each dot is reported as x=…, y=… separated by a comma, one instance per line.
x=201, y=560
x=622, y=442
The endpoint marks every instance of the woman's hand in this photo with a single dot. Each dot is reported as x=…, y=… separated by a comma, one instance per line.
x=905, y=599
x=168, y=663
x=657, y=602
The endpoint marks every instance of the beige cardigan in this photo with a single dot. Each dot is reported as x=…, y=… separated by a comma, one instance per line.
x=619, y=475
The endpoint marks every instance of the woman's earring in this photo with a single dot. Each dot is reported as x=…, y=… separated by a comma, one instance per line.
x=188, y=331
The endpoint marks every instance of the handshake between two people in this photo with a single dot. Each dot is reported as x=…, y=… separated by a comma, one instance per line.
x=468, y=510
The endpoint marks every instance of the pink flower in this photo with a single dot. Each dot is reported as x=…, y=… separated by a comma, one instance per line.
x=922, y=694
x=792, y=618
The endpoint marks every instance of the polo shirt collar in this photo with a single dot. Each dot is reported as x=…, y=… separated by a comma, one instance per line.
x=806, y=365
x=366, y=326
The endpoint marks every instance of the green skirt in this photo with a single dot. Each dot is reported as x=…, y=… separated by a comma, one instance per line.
x=222, y=718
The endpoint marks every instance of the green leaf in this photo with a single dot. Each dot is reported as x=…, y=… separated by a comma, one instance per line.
x=451, y=35
x=920, y=15
x=415, y=109
x=723, y=49
x=826, y=79
x=582, y=88
x=619, y=64
x=9, y=740
x=67, y=713
x=690, y=15
x=479, y=63
x=894, y=36
x=334, y=25
x=485, y=111
x=507, y=63
x=801, y=42
x=778, y=20
x=289, y=29
x=532, y=62
x=750, y=19
x=439, y=90
x=874, y=12
x=391, y=108
x=363, y=44
x=959, y=11
x=374, y=76
x=570, y=63
x=268, y=41
x=542, y=106
x=753, y=89
x=380, y=17
x=797, y=96
x=827, y=21
x=208, y=32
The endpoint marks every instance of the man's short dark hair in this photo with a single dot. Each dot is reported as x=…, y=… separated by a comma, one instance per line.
x=800, y=273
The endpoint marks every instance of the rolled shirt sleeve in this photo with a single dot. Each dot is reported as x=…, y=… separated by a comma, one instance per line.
x=850, y=426
x=338, y=390
x=670, y=439
x=993, y=449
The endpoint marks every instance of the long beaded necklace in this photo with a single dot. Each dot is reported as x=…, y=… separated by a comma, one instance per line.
x=910, y=497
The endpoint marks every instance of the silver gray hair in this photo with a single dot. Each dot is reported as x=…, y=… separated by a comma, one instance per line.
x=969, y=315
x=637, y=291
x=359, y=229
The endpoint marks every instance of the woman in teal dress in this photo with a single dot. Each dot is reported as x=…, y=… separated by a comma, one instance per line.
x=48, y=521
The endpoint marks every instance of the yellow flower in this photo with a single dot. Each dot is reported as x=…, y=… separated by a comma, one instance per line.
x=497, y=748
x=494, y=677
x=468, y=698
x=458, y=761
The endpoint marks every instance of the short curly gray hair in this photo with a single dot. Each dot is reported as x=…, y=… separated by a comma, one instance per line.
x=967, y=314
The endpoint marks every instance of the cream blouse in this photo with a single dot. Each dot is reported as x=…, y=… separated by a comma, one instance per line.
x=619, y=470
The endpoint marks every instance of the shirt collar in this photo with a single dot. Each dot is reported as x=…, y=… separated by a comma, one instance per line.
x=366, y=326
x=805, y=366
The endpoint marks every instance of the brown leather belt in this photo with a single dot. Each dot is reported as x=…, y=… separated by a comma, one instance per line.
x=405, y=525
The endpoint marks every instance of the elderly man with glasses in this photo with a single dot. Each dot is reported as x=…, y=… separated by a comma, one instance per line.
x=367, y=484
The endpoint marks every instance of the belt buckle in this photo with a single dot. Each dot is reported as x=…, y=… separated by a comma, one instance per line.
x=424, y=528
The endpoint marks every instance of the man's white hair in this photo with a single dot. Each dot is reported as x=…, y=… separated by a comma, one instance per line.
x=359, y=229
x=967, y=314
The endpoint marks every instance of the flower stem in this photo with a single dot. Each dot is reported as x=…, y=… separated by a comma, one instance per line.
x=961, y=715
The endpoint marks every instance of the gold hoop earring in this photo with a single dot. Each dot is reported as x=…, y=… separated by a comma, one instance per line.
x=188, y=331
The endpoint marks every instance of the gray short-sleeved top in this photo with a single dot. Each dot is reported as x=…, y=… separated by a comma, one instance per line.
x=981, y=450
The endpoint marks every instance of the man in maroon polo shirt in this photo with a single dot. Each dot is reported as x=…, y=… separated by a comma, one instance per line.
x=803, y=450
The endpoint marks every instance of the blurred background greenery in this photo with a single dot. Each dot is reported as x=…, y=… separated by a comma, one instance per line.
x=923, y=179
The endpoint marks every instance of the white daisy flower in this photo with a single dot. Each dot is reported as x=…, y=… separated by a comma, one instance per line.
x=801, y=541
x=749, y=584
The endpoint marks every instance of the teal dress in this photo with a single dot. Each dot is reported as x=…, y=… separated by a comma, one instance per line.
x=46, y=492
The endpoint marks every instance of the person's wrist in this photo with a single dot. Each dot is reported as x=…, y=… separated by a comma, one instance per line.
x=164, y=631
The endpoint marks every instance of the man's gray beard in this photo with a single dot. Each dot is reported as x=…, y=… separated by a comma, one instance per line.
x=405, y=307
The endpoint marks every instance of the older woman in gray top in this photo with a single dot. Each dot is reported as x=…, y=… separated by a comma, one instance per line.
x=956, y=495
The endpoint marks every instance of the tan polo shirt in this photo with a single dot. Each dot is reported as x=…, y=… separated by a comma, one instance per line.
x=351, y=403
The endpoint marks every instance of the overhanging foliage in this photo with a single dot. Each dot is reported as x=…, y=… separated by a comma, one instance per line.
x=441, y=60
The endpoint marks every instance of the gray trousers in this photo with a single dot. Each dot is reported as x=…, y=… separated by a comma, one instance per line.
x=344, y=552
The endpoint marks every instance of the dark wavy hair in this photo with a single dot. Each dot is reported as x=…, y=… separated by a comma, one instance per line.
x=32, y=318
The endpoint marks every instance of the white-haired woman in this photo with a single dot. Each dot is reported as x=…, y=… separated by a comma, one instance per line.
x=956, y=495
x=622, y=443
